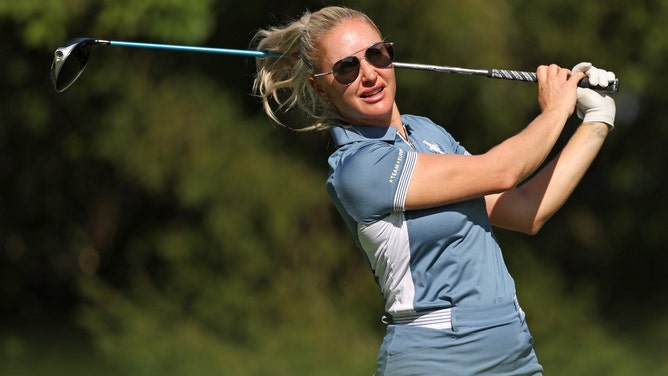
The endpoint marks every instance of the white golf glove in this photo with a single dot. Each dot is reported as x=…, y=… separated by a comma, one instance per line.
x=591, y=105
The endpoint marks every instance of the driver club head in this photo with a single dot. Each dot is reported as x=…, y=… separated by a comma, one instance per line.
x=69, y=62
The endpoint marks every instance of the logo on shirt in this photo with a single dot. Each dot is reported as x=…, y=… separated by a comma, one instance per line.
x=397, y=164
x=435, y=148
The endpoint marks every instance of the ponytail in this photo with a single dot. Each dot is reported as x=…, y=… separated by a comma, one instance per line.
x=283, y=83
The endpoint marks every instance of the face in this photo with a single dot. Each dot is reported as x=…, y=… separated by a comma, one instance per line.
x=369, y=100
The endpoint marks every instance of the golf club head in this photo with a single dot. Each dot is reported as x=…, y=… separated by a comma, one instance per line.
x=69, y=62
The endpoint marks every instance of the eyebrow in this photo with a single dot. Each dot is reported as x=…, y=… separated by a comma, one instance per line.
x=358, y=51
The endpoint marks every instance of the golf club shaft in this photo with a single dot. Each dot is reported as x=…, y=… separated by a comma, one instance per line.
x=491, y=73
x=174, y=47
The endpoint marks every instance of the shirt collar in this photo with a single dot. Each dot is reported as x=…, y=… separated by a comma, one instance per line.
x=344, y=135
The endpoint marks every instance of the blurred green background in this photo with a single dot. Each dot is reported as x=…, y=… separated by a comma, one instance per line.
x=154, y=222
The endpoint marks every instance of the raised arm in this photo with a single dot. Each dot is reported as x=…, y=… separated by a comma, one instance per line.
x=528, y=207
x=440, y=179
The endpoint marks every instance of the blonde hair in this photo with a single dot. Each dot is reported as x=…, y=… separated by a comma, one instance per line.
x=283, y=83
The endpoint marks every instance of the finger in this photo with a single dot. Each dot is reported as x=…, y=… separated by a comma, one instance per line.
x=593, y=76
x=577, y=76
x=553, y=70
x=603, y=78
x=610, y=76
x=558, y=72
x=582, y=67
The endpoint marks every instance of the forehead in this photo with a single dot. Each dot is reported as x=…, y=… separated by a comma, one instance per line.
x=347, y=38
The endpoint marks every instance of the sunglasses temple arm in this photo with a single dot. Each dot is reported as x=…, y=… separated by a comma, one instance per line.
x=503, y=74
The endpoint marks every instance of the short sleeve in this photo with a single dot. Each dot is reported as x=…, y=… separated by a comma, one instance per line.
x=370, y=180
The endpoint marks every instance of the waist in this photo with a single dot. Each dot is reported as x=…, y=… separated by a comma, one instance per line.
x=470, y=316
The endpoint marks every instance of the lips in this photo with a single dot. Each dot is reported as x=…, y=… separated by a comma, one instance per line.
x=371, y=93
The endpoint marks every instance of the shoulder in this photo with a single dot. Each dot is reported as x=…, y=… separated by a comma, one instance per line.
x=423, y=124
x=365, y=153
x=419, y=120
x=431, y=134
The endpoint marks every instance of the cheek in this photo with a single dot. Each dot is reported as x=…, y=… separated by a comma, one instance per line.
x=336, y=94
x=347, y=101
x=391, y=81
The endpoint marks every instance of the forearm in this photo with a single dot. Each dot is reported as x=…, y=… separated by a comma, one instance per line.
x=528, y=207
x=526, y=151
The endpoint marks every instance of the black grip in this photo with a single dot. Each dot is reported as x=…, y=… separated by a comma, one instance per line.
x=612, y=87
x=513, y=75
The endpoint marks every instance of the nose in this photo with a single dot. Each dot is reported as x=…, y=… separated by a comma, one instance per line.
x=367, y=71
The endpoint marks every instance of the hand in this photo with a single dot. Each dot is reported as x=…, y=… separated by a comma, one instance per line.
x=592, y=106
x=557, y=88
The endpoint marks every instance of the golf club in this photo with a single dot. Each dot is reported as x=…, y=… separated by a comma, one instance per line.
x=71, y=58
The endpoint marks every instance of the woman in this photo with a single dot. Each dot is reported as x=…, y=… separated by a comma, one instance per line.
x=419, y=205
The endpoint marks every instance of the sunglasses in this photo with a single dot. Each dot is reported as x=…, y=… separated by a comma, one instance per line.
x=346, y=70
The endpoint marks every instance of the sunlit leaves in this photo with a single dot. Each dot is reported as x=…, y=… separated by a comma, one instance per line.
x=196, y=228
x=172, y=20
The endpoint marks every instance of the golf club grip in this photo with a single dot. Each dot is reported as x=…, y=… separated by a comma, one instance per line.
x=531, y=77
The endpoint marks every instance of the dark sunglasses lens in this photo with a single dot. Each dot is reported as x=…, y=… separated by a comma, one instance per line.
x=380, y=56
x=346, y=70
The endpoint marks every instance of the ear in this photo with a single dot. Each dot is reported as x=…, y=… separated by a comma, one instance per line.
x=318, y=88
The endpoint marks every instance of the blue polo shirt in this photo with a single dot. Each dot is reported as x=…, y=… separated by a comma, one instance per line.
x=422, y=259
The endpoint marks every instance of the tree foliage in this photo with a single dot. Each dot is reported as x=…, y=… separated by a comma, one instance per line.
x=155, y=208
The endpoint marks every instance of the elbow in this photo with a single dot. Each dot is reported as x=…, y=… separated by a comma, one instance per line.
x=503, y=174
x=510, y=172
x=508, y=181
x=529, y=229
x=534, y=227
x=532, y=230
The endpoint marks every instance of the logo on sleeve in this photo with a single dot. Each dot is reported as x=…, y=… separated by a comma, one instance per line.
x=397, y=165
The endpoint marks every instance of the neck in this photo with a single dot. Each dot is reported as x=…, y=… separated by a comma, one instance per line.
x=396, y=122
